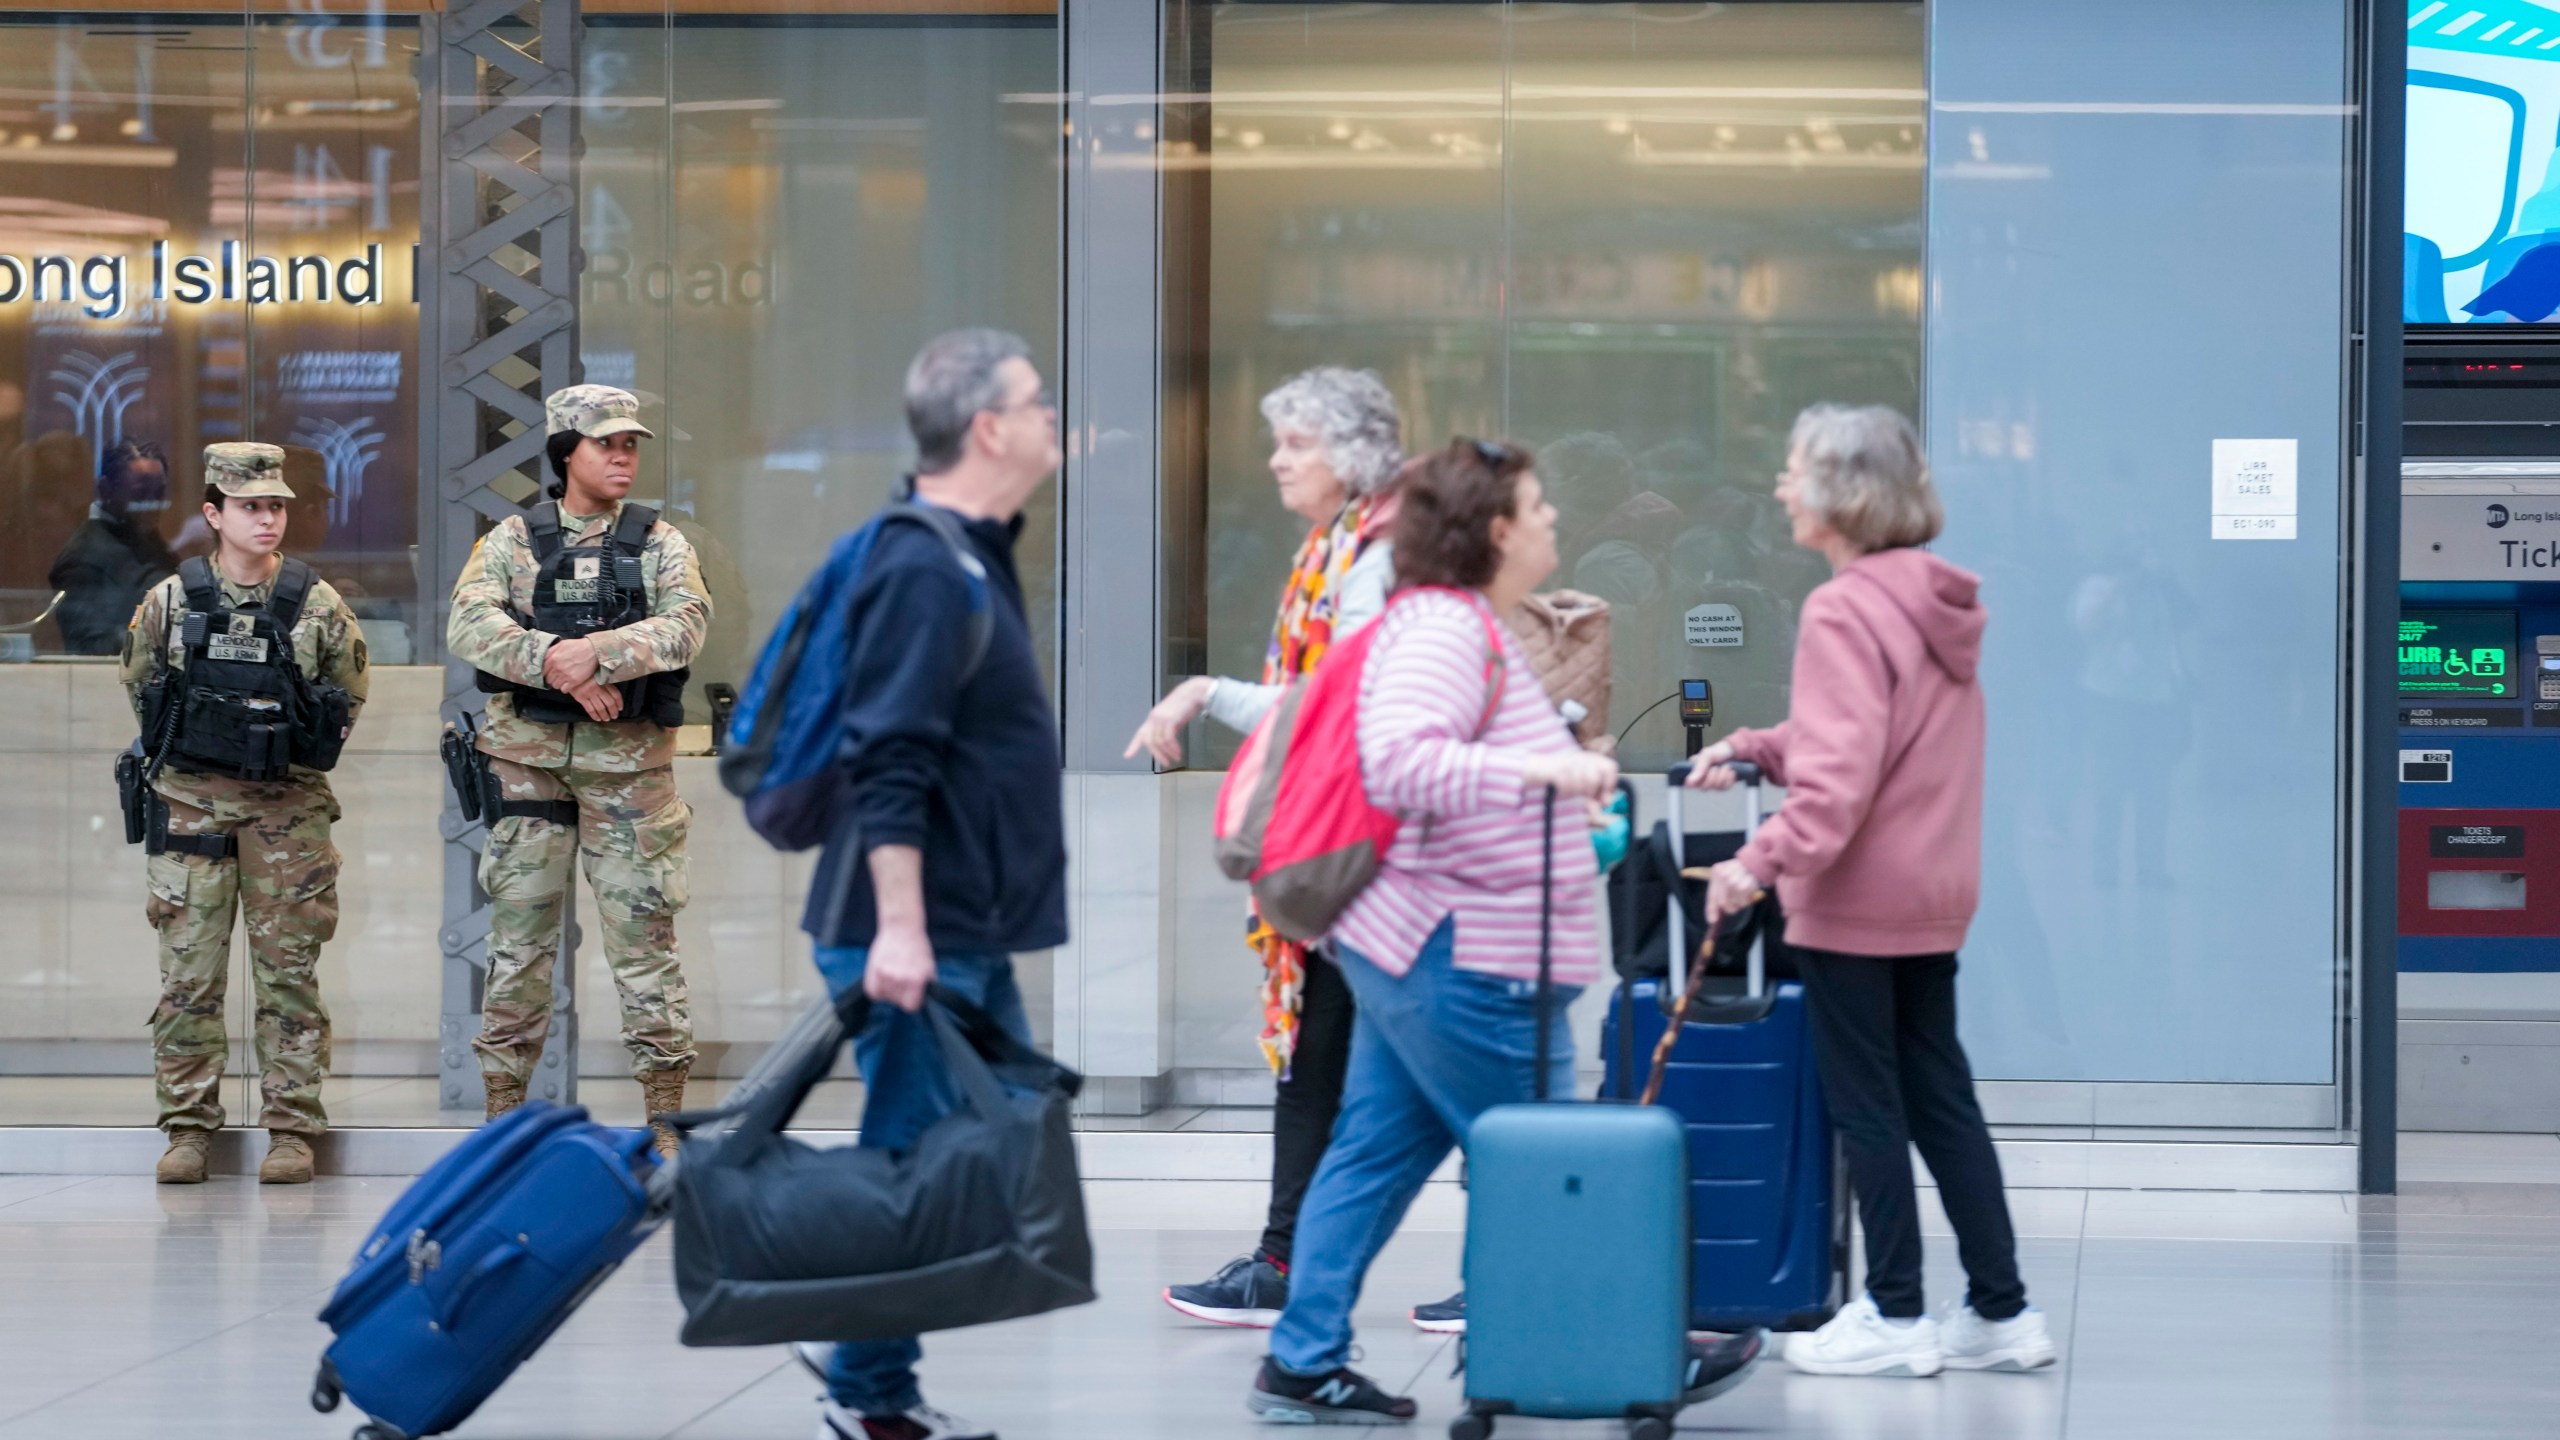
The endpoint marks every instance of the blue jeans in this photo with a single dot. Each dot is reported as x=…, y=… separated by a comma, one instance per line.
x=907, y=1088
x=1430, y=1051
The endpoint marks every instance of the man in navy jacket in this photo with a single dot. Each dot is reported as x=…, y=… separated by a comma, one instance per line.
x=951, y=855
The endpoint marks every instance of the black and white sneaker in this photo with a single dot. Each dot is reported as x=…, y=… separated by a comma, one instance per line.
x=1717, y=1365
x=922, y=1423
x=1448, y=1317
x=1251, y=1292
x=1344, y=1397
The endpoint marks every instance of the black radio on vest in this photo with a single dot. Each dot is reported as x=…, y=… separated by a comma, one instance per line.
x=579, y=590
x=243, y=706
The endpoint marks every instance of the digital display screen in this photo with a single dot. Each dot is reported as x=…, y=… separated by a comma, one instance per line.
x=2458, y=652
x=2482, y=203
x=1697, y=701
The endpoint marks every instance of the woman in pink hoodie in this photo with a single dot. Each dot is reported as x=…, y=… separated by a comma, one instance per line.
x=1877, y=856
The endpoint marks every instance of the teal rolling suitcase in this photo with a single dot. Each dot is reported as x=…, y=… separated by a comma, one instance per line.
x=1577, y=1266
x=1576, y=1261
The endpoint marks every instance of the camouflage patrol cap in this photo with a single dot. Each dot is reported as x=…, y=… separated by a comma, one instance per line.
x=594, y=410
x=244, y=469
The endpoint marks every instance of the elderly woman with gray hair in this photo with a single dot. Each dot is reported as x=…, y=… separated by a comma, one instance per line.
x=1877, y=856
x=1336, y=443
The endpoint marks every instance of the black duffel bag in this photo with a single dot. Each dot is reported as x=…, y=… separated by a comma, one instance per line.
x=982, y=1220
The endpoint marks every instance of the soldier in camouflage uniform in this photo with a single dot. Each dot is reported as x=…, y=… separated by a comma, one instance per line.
x=614, y=767
x=281, y=871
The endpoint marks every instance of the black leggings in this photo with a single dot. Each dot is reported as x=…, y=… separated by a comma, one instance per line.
x=1884, y=1035
x=1302, y=1117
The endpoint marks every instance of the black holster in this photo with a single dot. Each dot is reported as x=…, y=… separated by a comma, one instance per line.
x=474, y=788
x=133, y=792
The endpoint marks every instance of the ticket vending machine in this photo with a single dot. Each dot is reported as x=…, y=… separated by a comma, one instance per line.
x=2479, y=881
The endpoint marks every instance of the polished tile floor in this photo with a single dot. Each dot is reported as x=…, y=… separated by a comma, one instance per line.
x=364, y=1101
x=128, y=1309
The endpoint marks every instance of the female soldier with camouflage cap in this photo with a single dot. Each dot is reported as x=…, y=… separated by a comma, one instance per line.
x=581, y=616
x=247, y=672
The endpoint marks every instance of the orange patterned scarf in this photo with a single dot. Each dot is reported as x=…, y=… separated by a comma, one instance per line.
x=1299, y=638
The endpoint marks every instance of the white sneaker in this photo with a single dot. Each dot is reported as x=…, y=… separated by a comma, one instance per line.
x=1860, y=1341
x=2020, y=1342
x=922, y=1423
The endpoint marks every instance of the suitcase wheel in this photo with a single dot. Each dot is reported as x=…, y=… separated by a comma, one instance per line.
x=1648, y=1427
x=326, y=1392
x=1471, y=1426
x=378, y=1431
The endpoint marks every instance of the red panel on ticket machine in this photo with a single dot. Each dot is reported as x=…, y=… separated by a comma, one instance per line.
x=2479, y=872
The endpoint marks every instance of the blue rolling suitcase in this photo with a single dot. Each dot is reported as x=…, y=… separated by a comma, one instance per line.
x=1769, y=1199
x=479, y=1262
x=1577, y=1297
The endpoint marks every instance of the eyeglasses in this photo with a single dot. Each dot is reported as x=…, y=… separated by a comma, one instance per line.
x=1493, y=456
x=1040, y=400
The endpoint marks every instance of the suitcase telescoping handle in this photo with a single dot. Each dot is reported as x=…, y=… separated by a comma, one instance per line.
x=1749, y=775
x=1677, y=777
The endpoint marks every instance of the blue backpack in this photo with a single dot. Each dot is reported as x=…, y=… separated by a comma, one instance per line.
x=787, y=732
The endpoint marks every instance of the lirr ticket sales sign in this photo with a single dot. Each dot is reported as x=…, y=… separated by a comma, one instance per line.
x=2255, y=496
x=2480, y=537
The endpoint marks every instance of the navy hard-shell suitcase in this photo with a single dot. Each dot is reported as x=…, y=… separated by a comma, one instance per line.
x=1577, y=1297
x=1769, y=1202
x=479, y=1262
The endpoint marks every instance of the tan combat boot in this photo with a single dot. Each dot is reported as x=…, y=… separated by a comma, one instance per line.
x=288, y=1159
x=505, y=1092
x=183, y=1163
x=663, y=1093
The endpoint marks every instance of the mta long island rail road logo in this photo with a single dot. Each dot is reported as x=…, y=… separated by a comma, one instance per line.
x=347, y=449
x=2498, y=517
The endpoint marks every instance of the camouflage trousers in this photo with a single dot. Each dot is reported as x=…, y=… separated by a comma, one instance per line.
x=630, y=834
x=283, y=877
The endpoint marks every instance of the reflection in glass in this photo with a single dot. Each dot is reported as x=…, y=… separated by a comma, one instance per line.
x=1637, y=241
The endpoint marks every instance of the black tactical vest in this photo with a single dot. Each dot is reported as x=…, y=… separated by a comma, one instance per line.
x=242, y=707
x=579, y=590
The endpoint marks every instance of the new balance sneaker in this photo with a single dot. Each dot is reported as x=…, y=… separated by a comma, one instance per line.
x=1860, y=1341
x=1448, y=1317
x=1250, y=1292
x=1718, y=1365
x=922, y=1423
x=1344, y=1397
x=2020, y=1342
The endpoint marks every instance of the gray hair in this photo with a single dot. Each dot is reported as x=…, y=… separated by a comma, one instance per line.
x=1351, y=414
x=951, y=382
x=1866, y=476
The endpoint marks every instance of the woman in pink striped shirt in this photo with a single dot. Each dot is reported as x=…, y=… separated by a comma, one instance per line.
x=1442, y=950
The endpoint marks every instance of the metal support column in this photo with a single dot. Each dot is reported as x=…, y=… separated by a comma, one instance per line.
x=1114, y=978
x=2374, y=561
x=497, y=277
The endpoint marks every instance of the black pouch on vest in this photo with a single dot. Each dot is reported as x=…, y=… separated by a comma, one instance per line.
x=320, y=730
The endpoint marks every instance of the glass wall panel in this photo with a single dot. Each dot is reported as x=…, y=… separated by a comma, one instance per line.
x=232, y=198
x=1353, y=159
x=2160, y=897
x=1714, y=221
x=1637, y=239
x=207, y=224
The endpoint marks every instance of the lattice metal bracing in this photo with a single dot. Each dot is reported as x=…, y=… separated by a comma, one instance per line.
x=498, y=82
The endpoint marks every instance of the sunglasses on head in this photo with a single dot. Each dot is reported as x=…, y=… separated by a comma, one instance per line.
x=1494, y=456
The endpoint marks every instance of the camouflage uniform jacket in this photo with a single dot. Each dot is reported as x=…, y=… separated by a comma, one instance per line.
x=327, y=645
x=497, y=586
